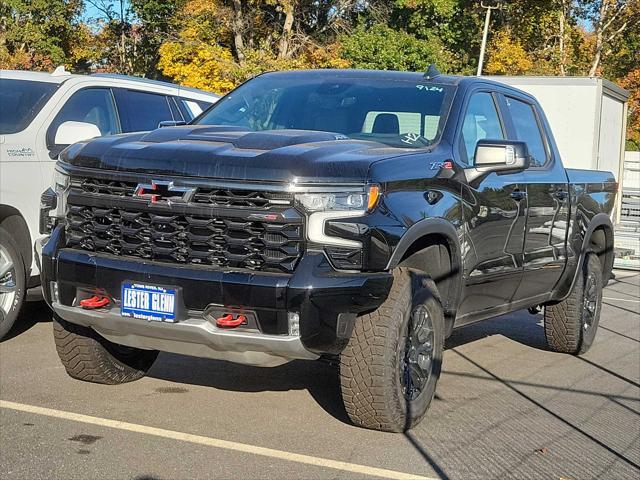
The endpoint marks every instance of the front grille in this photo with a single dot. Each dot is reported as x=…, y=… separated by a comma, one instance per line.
x=101, y=219
x=222, y=197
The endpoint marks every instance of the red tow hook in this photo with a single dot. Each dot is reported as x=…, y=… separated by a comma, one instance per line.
x=228, y=321
x=94, y=302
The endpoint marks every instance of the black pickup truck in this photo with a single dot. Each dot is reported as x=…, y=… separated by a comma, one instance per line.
x=352, y=216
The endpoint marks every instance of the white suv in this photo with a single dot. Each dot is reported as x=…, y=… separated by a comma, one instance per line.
x=40, y=114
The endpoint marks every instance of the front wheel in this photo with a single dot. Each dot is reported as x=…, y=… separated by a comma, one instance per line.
x=13, y=281
x=88, y=356
x=390, y=367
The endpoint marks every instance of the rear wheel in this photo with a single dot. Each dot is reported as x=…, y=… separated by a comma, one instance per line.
x=571, y=325
x=390, y=367
x=12, y=282
x=88, y=356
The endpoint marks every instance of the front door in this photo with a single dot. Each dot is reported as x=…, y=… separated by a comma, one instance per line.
x=494, y=215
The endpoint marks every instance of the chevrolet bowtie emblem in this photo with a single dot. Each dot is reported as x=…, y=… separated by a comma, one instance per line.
x=161, y=191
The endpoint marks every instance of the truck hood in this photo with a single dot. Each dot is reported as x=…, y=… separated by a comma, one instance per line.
x=223, y=152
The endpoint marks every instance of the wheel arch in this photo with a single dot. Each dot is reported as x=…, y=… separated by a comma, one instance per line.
x=432, y=246
x=598, y=238
x=14, y=223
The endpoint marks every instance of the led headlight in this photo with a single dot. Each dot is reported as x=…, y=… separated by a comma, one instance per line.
x=321, y=207
x=53, y=202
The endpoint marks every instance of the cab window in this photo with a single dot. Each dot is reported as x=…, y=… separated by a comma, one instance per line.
x=142, y=111
x=90, y=105
x=527, y=129
x=481, y=121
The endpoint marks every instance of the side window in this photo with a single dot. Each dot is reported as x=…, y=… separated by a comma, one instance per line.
x=175, y=111
x=194, y=108
x=527, y=129
x=481, y=121
x=91, y=105
x=142, y=111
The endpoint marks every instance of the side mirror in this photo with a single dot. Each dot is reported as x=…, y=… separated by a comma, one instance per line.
x=72, y=132
x=171, y=123
x=499, y=156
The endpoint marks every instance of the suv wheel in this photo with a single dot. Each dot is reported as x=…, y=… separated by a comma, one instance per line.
x=88, y=356
x=12, y=282
x=389, y=368
x=570, y=326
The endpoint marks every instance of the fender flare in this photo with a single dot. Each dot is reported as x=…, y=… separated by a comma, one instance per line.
x=434, y=226
x=598, y=220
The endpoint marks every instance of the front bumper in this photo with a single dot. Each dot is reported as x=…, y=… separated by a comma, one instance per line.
x=326, y=300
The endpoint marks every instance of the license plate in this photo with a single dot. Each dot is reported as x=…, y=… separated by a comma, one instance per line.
x=148, y=302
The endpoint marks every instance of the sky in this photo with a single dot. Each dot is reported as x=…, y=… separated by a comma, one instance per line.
x=91, y=12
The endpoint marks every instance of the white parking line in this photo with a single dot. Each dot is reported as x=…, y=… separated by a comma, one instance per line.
x=621, y=299
x=213, y=442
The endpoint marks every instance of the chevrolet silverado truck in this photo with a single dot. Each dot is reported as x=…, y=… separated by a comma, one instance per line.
x=352, y=216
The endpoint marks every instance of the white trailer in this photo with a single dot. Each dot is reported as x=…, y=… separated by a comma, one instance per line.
x=588, y=117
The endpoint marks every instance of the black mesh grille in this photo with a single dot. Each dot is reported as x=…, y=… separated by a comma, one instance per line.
x=223, y=197
x=234, y=236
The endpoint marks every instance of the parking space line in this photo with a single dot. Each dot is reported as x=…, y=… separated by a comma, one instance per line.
x=213, y=442
x=622, y=299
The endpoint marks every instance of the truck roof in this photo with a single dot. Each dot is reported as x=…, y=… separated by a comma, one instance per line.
x=455, y=80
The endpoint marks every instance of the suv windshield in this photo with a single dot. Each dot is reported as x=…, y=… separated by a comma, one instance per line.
x=400, y=113
x=20, y=101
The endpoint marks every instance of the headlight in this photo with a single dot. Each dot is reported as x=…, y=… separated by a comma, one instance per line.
x=60, y=181
x=53, y=202
x=321, y=207
x=362, y=200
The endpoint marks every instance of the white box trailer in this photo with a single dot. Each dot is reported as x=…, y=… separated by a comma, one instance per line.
x=588, y=117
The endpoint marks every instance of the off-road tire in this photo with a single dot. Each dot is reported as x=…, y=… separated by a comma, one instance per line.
x=372, y=362
x=20, y=279
x=88, y=356
x=564, y=322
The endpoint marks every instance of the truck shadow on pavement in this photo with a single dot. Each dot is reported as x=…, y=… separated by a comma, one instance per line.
x=32, y=313
x=320, y=379
x=520, y=326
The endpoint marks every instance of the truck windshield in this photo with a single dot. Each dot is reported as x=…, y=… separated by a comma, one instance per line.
x=20, y=102
x=400, y=113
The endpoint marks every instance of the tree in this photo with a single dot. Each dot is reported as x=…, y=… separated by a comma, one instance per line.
x=610, y=20
x=157, y=24
x=219, y=44
x=632, y=83
x=37, y=34
x=385, y=48
x=507, y=56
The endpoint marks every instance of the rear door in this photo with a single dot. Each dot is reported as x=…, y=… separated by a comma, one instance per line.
x=548, y=200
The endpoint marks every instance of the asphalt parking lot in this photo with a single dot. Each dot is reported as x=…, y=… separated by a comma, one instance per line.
x=505, y=408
